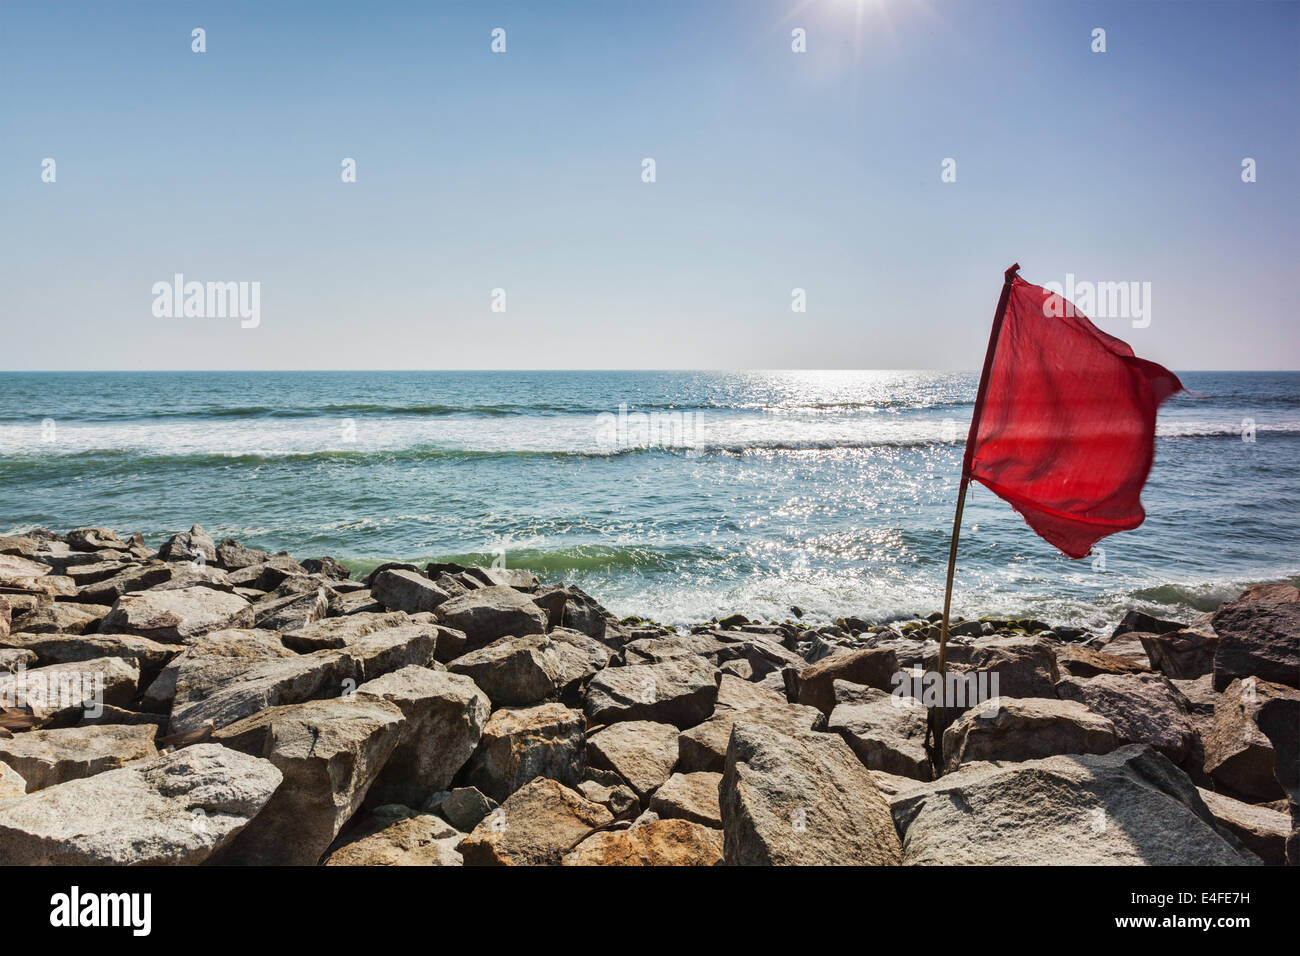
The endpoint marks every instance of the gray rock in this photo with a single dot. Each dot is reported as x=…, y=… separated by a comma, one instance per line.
x=93, y=539
x=293, y=612
x=1144, y=708
x=62, y=617
x=814, y=685
x=1258, y=638
x=615, y=797
x=330, y=752
x=445, y=714
x=12, y=783
x=680, y=692
x=1184, y=654
x=138, y=578
x=1261, y=830
x=886, y=732
x=517, y=745
x=177, y=809
x=45, y=758
x=704, y=746
x=336, y=632
x=193, y=545
x=208, y=663
x=66, y=692
x=1239, y=756
x=641, y=752
x=514, y=671
x=464, y=808
x=233, y=556
x=801, y=800
x=490, y=613
x=149, y=655
x=1130, y=806
x=15, y=659
x=409, y=591
x=176, y=617
x=1024, y=729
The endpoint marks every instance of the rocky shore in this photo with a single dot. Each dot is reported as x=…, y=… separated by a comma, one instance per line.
x=206, y=702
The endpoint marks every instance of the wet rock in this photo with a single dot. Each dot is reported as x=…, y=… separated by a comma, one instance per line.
x=330, y=752
x=517, y=745
x=445, y=715
x=537, y=825
x=177, y=809
x=656, y=843
x=801, y=800
x=1145, y=623
x=1024, y=729
x=1128, y=807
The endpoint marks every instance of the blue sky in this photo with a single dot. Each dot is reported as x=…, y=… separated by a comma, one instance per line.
x=522, y=171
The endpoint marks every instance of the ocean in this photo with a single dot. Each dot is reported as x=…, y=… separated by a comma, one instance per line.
x=670, y=495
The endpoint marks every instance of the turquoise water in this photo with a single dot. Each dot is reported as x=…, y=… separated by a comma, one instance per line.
x=748, y=491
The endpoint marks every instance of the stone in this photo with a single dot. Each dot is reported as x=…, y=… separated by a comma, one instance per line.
x=93, y=539
x=327, y=567
x=138, y=578
x=581, y=658
x=679, y=692
x=656, y=843
x=582, y=613
x=233, y=556
x=293, y=612
x=514, y=671
x=1128, y=646
x=615, y=797
x=399, y=836
x=208, y=663
x=336, y=632
x=536, y=826
x=704, y=747
x=1257, y=639
x=1128, y=807
x=516, y=578
x=268, y=575
x=1261, y=830
x=1145, y=623
x=689, y=796
x=45, y=758
x=13, y=659
x=1075, y=661
x=465, y=807
x=887, y=733
x=1184, y=654
x=519, y=744
x=193, y=545
x=177, y=809
x=1025, y=666
x=176, y=617
x=814, y=685
x=641, y=752
x=445, y=715
x=56, y=648
x=62, y=617
x=64, y=693
x=330, y=752
x=1024, y=729
x=1144, y=709
x=12, y=783
x=1239, y=756
x=801, y=800
x=490, y=613
x=17, y=572
x=409, y=591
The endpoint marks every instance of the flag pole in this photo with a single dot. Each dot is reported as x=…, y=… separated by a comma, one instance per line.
x=938, y=715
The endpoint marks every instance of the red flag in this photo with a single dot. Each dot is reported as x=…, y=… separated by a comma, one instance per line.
x=1064, y=421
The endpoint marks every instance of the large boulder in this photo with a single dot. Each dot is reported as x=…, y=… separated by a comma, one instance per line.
x=409, y=591
x=1130, y=806
x=1026, y=728
x=177, y=809
x=330, y=752
x=137, y=578
x=445, y=714
x=208, y=663
x=492, y=612
x=641, y=752
x=802, y=799
x=538, y=825
x=519, y=744
x=514, y=671
x=656, y=843
x=704, y=746
x=1074, y=660
x=337, y=632
x=1185, y=654
x=45, y=758
x=62, y=617
x=176, y=617
x=1144, y=708
x=1239, y=755
x=815, y=685
x=149, y=655
x=1024, y=666
x=399, y=836
x=64, y=693
x=1258, y=638
x=681, y=692
x=193, y=545
x=887, y=732
x=12, y=783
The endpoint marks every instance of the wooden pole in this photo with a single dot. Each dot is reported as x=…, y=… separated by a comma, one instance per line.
x=938, y=721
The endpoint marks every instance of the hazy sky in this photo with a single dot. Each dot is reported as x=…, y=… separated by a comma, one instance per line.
x=523, y=171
